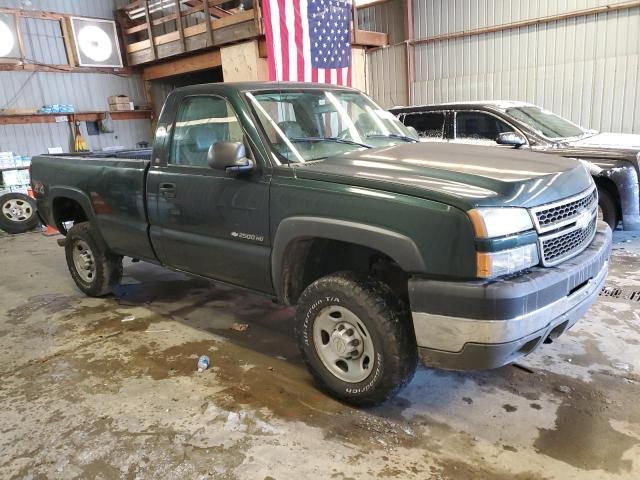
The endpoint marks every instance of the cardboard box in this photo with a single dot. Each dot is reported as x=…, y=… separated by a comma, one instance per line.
x=118, y=107
x=118, y=99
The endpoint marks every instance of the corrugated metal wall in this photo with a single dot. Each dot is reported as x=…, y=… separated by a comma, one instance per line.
x=86, y=8
x=383, y=17
x=86, y=91
x=386, y=77
x=586, y=69
x=386, y=67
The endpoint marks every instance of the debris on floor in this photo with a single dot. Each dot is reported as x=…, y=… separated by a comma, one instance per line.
x=239, y=327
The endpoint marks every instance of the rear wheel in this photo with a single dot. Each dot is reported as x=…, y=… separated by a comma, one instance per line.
x=356, y=338
x=94, y=269
x=607, y=209
x=17, y=213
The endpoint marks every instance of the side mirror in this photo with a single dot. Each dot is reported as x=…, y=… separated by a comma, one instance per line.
x=510, y=138
x=230, y=157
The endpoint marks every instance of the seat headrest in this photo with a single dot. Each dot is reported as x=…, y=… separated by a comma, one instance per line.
x=291, y=129
x=201, y=137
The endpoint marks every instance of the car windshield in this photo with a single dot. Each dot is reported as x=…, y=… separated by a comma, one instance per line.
x=546, y=123
x=311, y=124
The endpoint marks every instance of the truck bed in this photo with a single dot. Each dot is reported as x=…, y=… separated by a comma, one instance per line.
x=107, y=185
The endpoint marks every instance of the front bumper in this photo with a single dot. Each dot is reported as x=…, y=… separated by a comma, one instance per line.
x=487, y=324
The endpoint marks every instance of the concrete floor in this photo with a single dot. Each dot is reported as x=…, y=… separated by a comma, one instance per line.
x=108, y=389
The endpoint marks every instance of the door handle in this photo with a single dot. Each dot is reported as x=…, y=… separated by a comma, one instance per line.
x=168, y=190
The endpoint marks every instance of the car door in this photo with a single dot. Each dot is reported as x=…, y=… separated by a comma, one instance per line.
x=480, y=128
x=430, y=125
x=205, y=221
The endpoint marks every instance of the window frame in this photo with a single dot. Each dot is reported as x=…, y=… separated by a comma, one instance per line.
x=181, y=102
x=422, y=112
x=486, y=112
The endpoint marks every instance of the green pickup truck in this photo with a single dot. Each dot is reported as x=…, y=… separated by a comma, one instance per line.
x=467, y=257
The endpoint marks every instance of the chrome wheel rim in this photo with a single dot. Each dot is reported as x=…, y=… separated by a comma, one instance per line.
x=83, y=261
x=17, y=210
x=343, y=344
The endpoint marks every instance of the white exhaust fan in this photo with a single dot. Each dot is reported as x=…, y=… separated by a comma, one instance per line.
x=9, y=45
x=96, y=42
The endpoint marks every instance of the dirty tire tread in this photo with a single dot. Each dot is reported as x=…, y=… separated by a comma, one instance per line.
x=13, y=227
x=609, y=208
x=108, y=265
x=392, y=325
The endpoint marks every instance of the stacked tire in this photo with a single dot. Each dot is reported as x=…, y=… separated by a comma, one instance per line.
x=17, y=213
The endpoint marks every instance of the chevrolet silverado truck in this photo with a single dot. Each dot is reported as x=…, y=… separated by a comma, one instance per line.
x=612, y=158
x=468, y=257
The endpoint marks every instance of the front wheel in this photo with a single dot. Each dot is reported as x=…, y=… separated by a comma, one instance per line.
x=94, y=269
x=356, y=338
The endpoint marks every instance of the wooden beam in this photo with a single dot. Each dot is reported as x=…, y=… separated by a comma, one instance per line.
x=44, y=15
x=192, y=63
x=410, y=49
x=215, y=11
x=179, y=25
x=370, y=39
x=74, y=117
x=147, y=16
x=135, y=29
x=207, y=24
x=19, y=35
x=30, y=67
x=69, y=43
x=257, y=17
x=262, y=48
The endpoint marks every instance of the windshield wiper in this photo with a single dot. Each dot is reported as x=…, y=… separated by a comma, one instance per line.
x=329, y=139
x=392, y=135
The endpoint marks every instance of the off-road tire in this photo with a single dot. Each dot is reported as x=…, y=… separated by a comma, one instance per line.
x=609, y=208
x=14, y=225
x=108, y=266
x=386, y=318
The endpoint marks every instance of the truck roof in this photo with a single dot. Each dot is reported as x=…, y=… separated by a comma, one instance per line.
x=499, y=104
x=264, y=85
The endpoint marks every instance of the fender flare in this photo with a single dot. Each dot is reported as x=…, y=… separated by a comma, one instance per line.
x=397, y=246
x=74, y=194
x=625, y=179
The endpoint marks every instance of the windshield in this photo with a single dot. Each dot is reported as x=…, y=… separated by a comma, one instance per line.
x=305, y=125
x=546, y=123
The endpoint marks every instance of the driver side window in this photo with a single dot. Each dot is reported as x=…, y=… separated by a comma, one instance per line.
x=479, y=126
x=202, y=121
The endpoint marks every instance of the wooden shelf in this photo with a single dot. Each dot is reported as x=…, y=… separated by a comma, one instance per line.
x=76, y=116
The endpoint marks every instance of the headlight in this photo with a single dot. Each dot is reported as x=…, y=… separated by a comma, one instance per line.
x=498, y=222
x=505, y=262
x=490, y=223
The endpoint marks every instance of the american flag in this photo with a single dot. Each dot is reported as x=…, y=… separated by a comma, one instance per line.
x=309, y=40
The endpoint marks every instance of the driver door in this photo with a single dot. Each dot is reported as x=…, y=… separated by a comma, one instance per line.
x=207, y=221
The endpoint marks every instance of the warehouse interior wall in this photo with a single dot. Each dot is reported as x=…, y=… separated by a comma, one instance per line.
x=586, y=69
x=85, y=91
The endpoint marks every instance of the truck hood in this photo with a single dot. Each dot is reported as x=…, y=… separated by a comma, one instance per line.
x=605, y=150
x=459, y=175
x=625, y=141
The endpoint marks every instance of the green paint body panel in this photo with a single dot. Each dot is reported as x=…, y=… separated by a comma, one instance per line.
x=224, y=226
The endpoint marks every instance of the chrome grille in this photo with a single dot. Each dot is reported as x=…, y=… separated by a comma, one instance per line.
x=562, y=245
x=558, y=214
x=566, y=227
